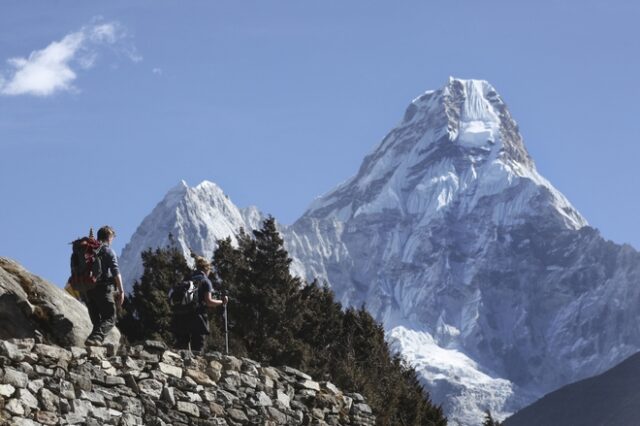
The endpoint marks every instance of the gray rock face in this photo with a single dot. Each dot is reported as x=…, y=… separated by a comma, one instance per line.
x=30, y=307
x=82, y=395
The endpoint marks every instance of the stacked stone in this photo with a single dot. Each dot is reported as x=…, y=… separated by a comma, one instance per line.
x=151, y=385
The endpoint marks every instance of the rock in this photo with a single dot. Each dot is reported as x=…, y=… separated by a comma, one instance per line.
x=283, y=399
x=188, y=408
x=93, y=397
x=216, y=409
x=15, y=378
x=237, y=415
x=128, y=419
x=271, y=373
x=232, y=363
x=172, y=358
x=27, y=399
x=263, y=400
x=361, y=408
x=35, y=385
x=310, y=384
x=52, y=354
x=155, y=346
x=43, y=371
x=30, y=306
x=114, y=381
x=47, y=417
x=49, y=400
x=297, y=373
x=11, y=351
x=150, y=387
x=97, y=352
x=248, y=381
x=14, y=407
x=67, y=390
x=168, y=396
x=78, y=353
x=279, y=417
x=356, y=397
x=7, y=390
x=170, y=370
x=331, y=388
x=199, y=377
x=75, y=418
x=19, y=421
x=82, y=382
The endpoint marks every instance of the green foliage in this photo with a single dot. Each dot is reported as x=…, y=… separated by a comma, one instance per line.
x=146, y=312
x=277, y=319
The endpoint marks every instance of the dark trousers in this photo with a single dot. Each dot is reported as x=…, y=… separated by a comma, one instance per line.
x=190, y=330
x=102, y=310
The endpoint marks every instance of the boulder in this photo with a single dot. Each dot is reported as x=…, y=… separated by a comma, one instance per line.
x=31, y=307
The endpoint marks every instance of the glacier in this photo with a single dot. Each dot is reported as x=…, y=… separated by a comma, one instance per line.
x=484, y=275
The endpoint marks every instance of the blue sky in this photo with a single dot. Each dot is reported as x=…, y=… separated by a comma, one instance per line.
x=104, y=106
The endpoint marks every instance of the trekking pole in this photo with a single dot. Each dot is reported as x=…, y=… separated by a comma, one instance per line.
x=226, y=329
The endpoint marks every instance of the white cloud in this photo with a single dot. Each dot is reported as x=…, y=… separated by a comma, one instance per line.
x=53, y=69
x=157, y=71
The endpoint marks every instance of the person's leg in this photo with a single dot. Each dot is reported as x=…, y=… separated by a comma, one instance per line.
x=89, y=299
x=197, y=342
x=107, y=309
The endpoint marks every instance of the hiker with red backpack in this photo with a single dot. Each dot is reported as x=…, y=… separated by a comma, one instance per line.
x=189, y=301
x=96, y=276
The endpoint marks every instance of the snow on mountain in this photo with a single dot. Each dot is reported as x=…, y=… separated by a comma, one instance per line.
x=195, y=218
x=484, y=275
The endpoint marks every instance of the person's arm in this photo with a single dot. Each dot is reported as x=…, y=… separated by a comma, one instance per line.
x=117, y=278
x=120, y=295
x=211, y=302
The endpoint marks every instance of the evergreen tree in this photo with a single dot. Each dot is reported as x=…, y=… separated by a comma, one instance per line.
x=146, y=311
x=279, y=320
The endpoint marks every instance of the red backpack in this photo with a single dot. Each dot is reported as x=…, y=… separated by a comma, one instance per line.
x=86, y=266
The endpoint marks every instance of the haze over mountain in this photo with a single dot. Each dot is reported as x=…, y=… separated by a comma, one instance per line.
x=485, y=277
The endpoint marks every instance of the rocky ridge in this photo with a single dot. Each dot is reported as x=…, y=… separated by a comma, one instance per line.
x=152, y=385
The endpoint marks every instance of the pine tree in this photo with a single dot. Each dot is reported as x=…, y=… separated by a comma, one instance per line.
x=277, y=319
x=146, y=312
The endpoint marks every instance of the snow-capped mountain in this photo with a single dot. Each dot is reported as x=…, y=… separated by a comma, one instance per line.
x=194, y=217
x=486, y=278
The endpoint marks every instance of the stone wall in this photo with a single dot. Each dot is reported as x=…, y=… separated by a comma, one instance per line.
x=151, y=385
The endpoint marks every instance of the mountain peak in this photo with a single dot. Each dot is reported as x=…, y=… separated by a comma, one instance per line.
x=454, y=146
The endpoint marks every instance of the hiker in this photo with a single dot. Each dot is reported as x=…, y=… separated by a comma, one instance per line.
x=101, y=300
x=191, y=326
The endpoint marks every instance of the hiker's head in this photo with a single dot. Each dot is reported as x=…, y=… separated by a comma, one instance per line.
x=106, y=234
x=202, y=264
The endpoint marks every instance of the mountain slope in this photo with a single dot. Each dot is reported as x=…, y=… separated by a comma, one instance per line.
x=484, y=275
x=609, y=399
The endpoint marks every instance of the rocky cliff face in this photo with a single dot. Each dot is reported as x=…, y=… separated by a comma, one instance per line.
x=150, y=385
